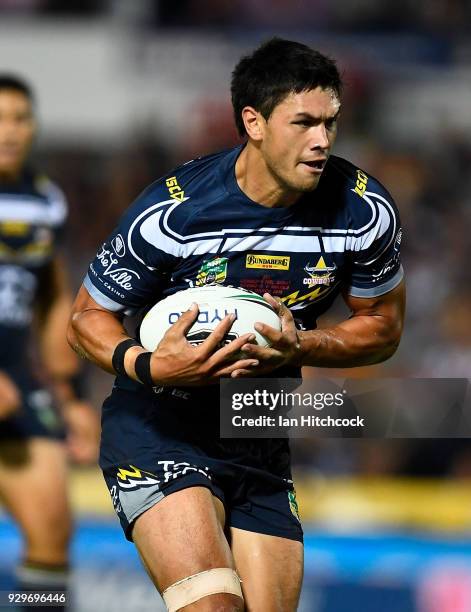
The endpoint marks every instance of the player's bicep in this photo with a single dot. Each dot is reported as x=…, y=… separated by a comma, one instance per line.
x=91, y=324
x=84, y=301
x=389, y=307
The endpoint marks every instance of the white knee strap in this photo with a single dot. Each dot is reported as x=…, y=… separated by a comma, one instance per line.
x=190, y=589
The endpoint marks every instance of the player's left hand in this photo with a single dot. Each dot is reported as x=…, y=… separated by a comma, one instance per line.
x=285, y=346
x=83, y=431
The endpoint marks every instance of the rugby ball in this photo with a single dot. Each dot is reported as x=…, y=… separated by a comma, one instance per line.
x=215, y=302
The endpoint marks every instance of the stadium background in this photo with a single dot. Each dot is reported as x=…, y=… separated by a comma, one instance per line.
x=127, y=90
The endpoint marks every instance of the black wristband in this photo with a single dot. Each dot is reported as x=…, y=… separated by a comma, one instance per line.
x=142, y=368
x=119, y=353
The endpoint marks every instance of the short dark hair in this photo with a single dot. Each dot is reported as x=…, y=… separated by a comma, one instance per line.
x=277, y=68
x=16, y=83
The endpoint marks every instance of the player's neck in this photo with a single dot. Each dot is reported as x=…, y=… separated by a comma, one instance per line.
x=258, y=183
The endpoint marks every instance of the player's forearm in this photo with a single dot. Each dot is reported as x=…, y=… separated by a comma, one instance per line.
x=94, y=335
x=59, y=361
x=361, y=340
x=51, y=317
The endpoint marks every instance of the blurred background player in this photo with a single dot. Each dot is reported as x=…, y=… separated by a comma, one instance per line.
x=39, y=395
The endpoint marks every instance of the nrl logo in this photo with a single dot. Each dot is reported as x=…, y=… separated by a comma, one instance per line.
x=320, y=274
x=293, y=504
x=213, y=271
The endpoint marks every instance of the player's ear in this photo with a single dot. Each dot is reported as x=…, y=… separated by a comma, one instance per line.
x=253, y=123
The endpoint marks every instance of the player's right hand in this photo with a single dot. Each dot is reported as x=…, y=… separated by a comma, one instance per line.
x=176, y=362
x=10, y=397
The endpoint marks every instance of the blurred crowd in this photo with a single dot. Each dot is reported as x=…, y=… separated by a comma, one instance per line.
x=436, y=16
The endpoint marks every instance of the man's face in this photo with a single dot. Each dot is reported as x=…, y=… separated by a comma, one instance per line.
x=17, y=128
x=298, y=137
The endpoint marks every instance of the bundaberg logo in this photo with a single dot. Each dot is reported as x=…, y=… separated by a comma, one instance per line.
x=267, y=262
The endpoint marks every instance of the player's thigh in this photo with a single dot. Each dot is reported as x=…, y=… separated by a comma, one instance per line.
x=33, y=487
x=182, y=535
x=271, y=570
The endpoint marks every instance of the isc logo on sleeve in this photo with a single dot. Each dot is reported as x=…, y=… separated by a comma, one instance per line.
x=176, y=192
x=360, y=186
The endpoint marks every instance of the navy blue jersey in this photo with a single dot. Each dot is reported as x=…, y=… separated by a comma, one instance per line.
x=32, y=210
x=196, y=226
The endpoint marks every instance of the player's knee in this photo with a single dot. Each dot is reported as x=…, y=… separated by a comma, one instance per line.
x=222, y=602
x=230, y=603
x=214, y=590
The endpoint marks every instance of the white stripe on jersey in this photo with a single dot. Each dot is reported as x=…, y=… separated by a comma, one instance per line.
x=56, y=198
x=150, y=230
x=34, y=210
x=306, y=239
x=381, y=226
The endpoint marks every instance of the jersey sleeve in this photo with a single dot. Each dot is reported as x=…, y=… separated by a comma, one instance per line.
x=375, y=248
x=133, y=265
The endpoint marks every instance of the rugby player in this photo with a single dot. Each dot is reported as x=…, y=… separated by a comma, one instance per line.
x=278, y=214
x=35, y=302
